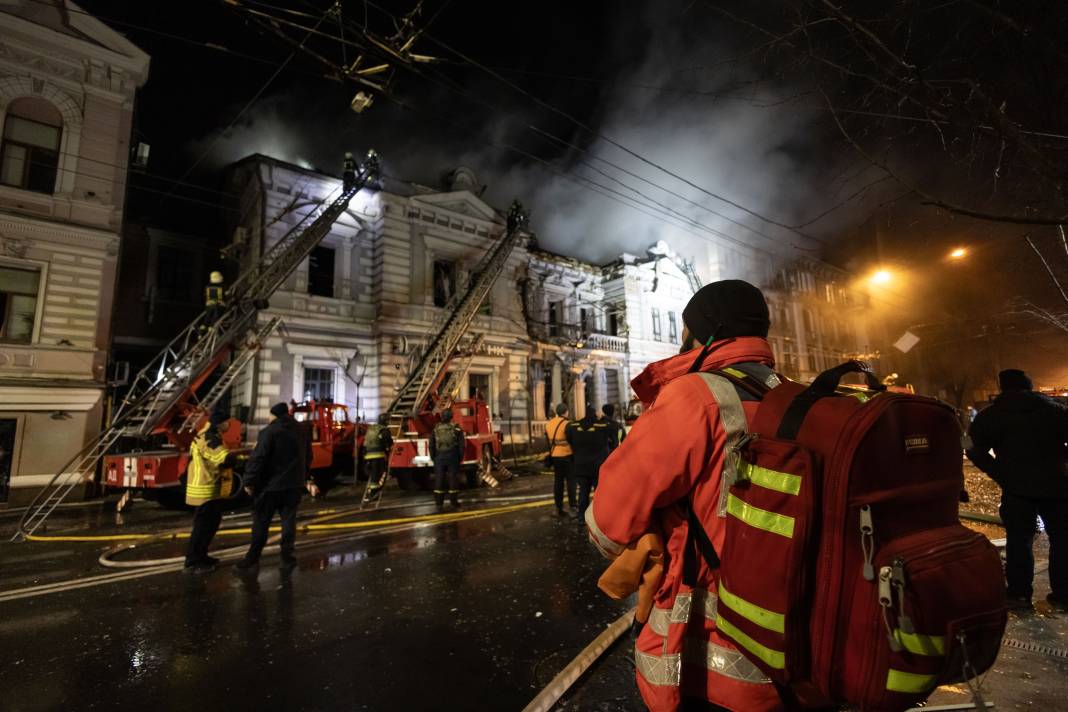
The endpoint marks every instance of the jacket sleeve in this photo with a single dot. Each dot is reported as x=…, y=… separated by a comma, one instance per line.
x=308, y=456
x=387, y=440
x=257, y=461
x=981, y=442
x=669, y=447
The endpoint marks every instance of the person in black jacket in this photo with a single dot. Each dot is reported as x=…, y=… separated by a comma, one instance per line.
x=590, y=446
x=276, y=475
x=1027, y=433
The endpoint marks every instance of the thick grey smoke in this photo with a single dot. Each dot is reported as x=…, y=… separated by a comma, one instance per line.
x=677, y=101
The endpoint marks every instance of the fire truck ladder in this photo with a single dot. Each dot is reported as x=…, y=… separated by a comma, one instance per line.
x=435, y=359
x=186, y=361
x=428, y=372
x=461, y=364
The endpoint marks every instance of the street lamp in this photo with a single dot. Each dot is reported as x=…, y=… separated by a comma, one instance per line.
x=882, y=276
x=958, y=253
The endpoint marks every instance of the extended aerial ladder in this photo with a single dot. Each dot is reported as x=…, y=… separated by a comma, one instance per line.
x=431, y=386
x=163, y=396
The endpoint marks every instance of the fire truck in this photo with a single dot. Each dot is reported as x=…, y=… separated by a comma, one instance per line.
x=146, y=446
x=432, y=386
x=334, y=438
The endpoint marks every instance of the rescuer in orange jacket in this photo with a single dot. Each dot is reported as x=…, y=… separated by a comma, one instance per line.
x=672, y=461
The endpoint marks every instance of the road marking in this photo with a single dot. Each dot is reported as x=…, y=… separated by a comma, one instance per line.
x=387, y=525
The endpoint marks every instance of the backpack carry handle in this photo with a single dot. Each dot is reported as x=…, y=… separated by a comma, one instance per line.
x=825, y=386
x=827, y=382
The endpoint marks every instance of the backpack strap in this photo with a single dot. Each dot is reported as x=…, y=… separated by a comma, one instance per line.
x=725, y=386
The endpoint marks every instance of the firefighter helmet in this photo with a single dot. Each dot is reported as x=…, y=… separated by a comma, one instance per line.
x=216, y=278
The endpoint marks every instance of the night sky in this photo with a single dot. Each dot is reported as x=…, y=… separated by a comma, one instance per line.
x=674, y=80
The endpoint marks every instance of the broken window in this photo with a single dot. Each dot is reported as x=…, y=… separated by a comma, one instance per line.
x=175, y=278
x=444, y=282
x=613, y=324
x=586, y=319
x=321, y=272
x=555, y=310
x=478, y=386
x=657, y=332
x=18, y=303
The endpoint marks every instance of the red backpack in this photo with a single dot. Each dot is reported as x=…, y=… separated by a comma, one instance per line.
x=869, y=591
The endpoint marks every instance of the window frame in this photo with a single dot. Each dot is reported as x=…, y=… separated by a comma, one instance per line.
x=38, y=312
x=673, y=328
x=30, y=150
x=333, y=271
x=658, y=332
x=333, y=382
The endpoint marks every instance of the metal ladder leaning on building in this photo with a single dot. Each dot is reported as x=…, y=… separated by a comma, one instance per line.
x=172, y=378
x=429, y=375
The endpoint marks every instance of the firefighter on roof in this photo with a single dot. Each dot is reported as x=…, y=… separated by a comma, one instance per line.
x=348, y=172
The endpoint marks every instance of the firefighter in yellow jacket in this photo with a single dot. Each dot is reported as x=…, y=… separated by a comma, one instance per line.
x=208, y=485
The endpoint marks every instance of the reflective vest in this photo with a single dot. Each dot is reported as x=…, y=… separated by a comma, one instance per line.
x=214, y=295
x=556, y=433
x=206, y=478
x=372, y=443
x=678, y=450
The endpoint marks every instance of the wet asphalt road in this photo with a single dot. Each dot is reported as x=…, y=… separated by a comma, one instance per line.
x=476, y=614
x=469, y=615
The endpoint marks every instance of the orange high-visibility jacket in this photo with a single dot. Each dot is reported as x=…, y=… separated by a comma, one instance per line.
x=674, y=454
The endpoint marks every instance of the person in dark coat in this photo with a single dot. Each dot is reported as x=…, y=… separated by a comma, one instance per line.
x=1027, y=433
x=276, y=475
x=447, y=443
x=589, y=447
x=615, y=429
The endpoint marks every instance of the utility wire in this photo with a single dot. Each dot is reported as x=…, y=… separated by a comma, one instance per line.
x=249, y=104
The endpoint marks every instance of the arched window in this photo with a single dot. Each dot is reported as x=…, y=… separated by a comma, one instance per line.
x=29, y=152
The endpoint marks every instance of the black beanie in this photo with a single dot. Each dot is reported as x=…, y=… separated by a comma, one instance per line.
x=1013, y=379
x=279, y=409
x=730, y=307
x=218, y=417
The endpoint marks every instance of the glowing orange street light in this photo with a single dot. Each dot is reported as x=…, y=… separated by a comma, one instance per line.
x=881, y=276
x=958, y=253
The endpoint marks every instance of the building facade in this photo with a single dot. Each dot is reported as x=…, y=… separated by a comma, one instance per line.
x=360, y=310
x=67, y=85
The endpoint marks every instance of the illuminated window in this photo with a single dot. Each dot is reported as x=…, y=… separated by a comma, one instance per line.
x=319, y=384
x=29, y=152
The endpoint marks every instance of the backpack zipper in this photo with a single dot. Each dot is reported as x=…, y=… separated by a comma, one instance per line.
x=867, y=542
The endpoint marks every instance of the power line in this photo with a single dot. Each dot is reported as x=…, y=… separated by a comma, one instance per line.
x=248, y=105
x=605, y=191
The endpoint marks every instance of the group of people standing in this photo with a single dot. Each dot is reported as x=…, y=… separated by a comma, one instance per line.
x=276, y=476
x=576, y=451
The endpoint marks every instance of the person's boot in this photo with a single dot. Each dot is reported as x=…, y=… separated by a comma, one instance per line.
x=1058, y=602
x=439, y=501
x=454, y=499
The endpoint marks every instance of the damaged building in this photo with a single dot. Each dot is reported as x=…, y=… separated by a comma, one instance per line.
x=360, y=309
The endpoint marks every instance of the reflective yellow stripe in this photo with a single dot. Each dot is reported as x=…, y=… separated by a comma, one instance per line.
x=734, y=372
x=764, y=618
x=772, y=658
x=862, y=397
x=761, y=519
x=920, y=644
x=898, y=681
x=374, y=456
x=770, y=479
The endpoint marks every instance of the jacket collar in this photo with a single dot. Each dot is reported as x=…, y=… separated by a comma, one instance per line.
x=658, y=374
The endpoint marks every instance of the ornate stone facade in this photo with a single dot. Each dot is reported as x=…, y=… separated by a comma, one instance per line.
x=58, y=247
